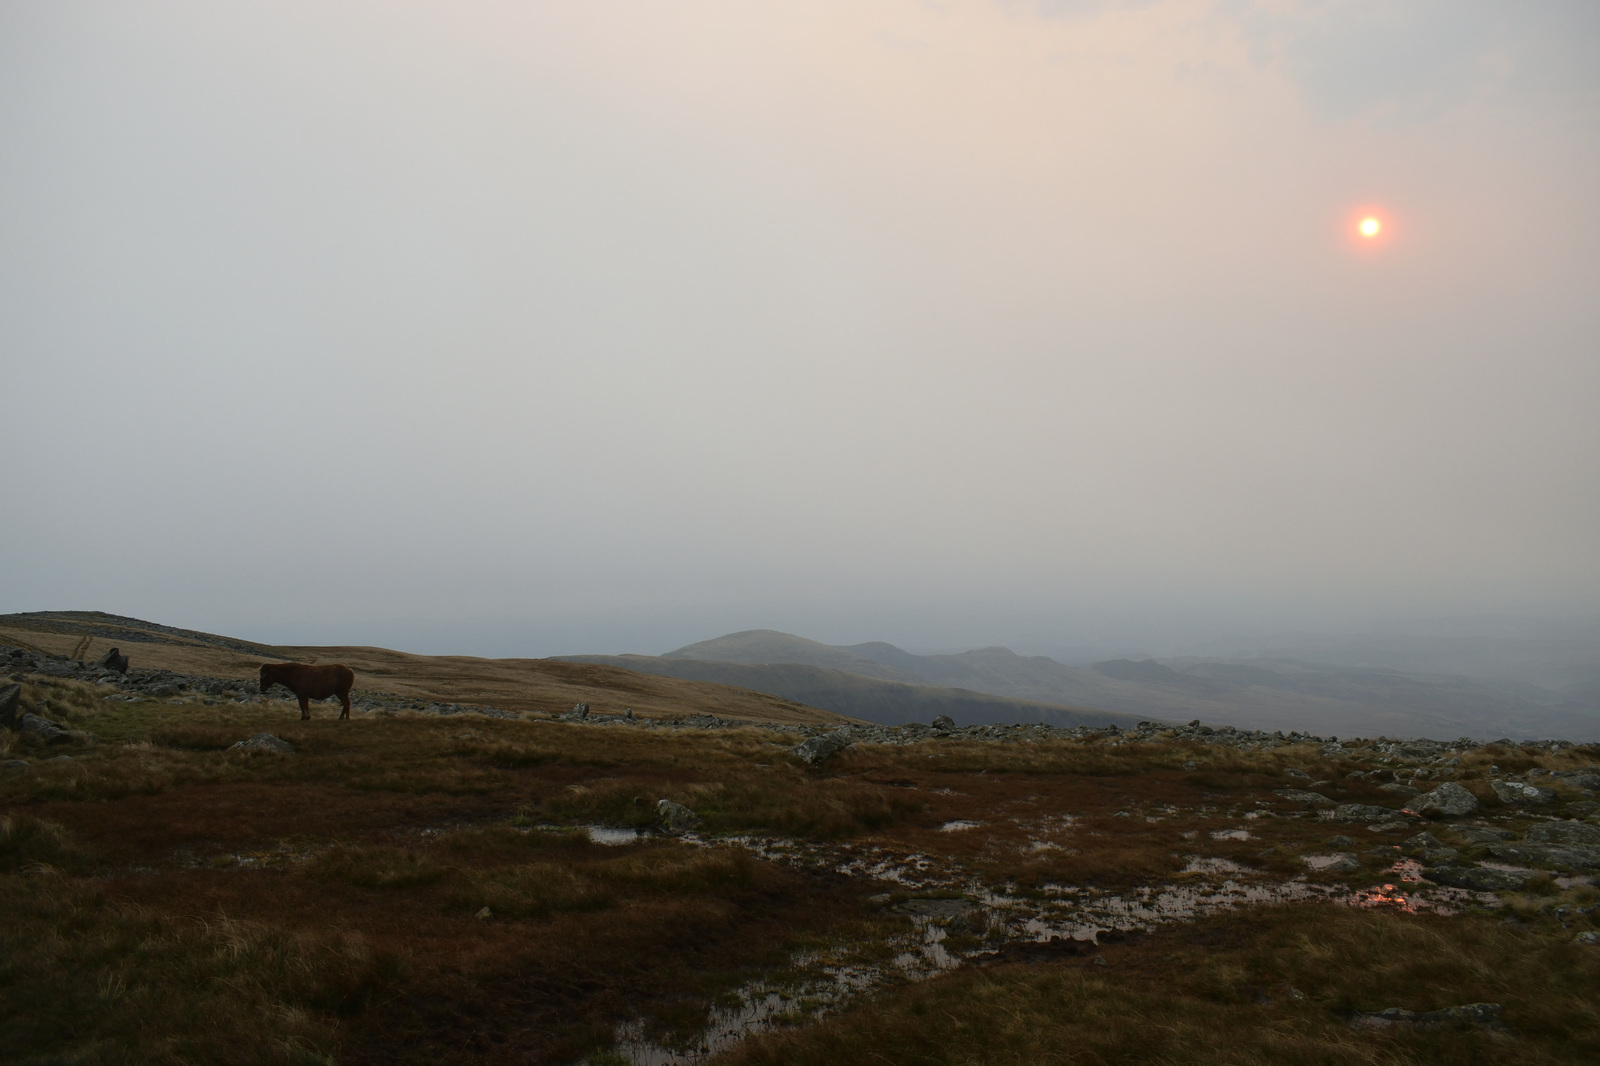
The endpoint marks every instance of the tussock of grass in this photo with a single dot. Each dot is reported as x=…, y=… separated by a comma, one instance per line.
x=86, y=980
x=27, y=842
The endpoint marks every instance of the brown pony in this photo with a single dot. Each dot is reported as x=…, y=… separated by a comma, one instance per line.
x=311, y=683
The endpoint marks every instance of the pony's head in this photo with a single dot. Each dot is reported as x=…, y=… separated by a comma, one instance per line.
x=268, y=676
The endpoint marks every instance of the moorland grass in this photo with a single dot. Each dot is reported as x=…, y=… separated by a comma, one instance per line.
x=1276, y=986
x=170, y=900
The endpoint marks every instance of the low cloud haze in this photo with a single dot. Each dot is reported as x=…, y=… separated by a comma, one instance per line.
x=567, y=327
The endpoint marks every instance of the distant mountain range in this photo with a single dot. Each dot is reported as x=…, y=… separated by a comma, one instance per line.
x=883, y=683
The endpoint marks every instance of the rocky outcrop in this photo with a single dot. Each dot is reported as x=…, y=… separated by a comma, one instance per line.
x=1449, y=800
x=1477, y=878
x=1294, y=795
x=818, y=749
x=1468, y=1016
x=265, y=742
x=1363, y=812
x=10, y=698
x=1522, y=794
x=675, y=816
x=114, y=660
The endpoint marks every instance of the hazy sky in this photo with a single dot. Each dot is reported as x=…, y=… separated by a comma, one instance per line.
x=597, y=326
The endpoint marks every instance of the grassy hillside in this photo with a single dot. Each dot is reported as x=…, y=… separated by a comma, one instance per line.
x=511, y=684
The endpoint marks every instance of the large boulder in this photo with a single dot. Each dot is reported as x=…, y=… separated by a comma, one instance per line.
x=1521, y=794
x=1583, y=777
x=114, y=660
x=1564, y=833
x=944, y=722
x=817, y=749
x=52, y=732
x=265, y=742
x=675, y=816
x=1449, y=800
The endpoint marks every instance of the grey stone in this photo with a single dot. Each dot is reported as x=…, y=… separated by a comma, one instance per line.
x=1519, y=794
x=1389, y=827
x=675, y=816
x=264, y=742
x=1292, y=772
x=1342, y=863
x=1403, y=791
x=1449, y=800
x=1477, y=878
x=13, y=766
x=114, y=660
x=1340, y=841
x=944, y=721
x=817, y=749
x=1583, y=777
x=1573, y=856
x=1470, y=1015
x=43, y=727
x=1361, y=812
x=1591, y=937
x=1482, y=834
x=1564, y=833
x=1295, y=795
x=1424, y=841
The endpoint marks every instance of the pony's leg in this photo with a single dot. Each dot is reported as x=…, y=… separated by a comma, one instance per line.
x=305, y=709
x=344, y=698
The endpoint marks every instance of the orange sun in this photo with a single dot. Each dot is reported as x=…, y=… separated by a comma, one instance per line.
x=1370, y=227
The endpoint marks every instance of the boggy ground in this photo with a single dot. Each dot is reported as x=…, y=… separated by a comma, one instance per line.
x=416, y=889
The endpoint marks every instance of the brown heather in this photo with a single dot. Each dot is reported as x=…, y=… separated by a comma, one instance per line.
x=168, y=900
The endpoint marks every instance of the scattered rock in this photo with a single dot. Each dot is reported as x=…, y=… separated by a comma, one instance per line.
x=1190, y=764
x=1449, y=800
x=944, y=721
x=264, y=742
x=1482, y=834
x=817, y=749
x=1477, y=878
x=675, y=816
x=1519, y=794
x=1362, y=812
x=1294, y=795
x=484, y=914
x=1342, y=862
x=1292, y=772
x=1591, y=937
x=1471, y=1015
x=1340, y=841
x=1403, y=791
x=1573, y=856
x=13, y=766
x=114, y=660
